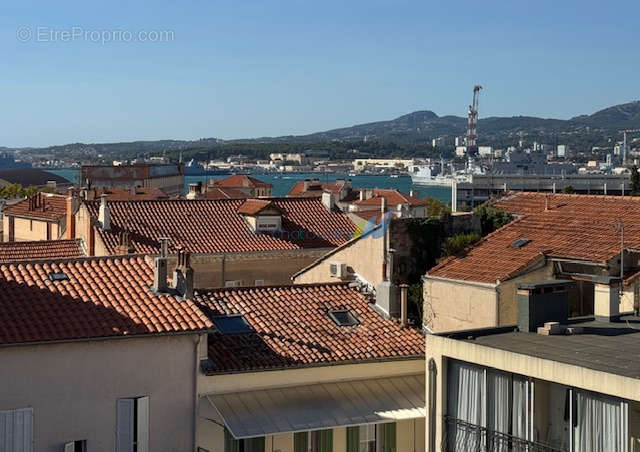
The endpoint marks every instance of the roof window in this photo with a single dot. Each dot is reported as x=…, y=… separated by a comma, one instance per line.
x=58, y=276
x=232, y=324
x=343, y=317
x=520, y=242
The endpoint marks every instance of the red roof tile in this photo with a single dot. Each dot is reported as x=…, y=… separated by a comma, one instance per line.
x=253, y=206
x=45, y=206
x=315, y=188
x=40, y=250
x=213, y=192
x=103, y=297
x=292, y=328
x=121, y=194
x=240, y=181
x=215, y=226
x=580, y=227
x=393, y=197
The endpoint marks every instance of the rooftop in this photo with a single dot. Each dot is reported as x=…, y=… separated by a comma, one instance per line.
x=88, y=298
x=393, y=197
x=31, y=176
x=240, y=181
x=216, y=226
x=577, y=227
x=214, y=192
x=290, y=326
x=39, y=250
x=45, y=206
x=315, y=188
x=599, y=347
x=121, y=194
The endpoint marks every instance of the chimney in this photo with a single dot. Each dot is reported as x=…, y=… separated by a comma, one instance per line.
x=606, y=301
x=104, y=217
x=183, y=275
x=413, y=193
x=71, y=215
x=362, y=194
x=124, y=243
x=160, y=269
x=404, y=288
x=194, y=190
x=307, y=182
x=542, y=302
x=383, y=205
x=52, y=184
x=328, y=200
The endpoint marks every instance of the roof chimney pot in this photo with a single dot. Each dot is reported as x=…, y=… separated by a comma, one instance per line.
x=104, y=216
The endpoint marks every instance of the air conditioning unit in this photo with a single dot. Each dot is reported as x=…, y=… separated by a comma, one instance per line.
x=337, y=270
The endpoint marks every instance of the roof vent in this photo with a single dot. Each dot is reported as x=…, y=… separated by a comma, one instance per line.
x=520, y=242
x=343, y=317
x=58, y=276
x=232, y=324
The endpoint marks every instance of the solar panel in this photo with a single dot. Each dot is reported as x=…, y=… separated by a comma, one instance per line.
x=232, y=324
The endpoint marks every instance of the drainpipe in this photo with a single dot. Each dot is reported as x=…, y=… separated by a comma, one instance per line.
x=404, y=288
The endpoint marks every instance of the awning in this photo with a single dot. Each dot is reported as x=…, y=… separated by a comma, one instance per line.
x=313, y=407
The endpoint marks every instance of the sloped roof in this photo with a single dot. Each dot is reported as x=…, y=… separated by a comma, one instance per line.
x=46, y=206
x=580, y=227
x=315, y=188
x=213, y=192
x=393, y=197
x=103, y=297
x=215, y=226
x=240, y=181
x=291, y=328
x=254, y=206
x=39, y=250
x=31, y=176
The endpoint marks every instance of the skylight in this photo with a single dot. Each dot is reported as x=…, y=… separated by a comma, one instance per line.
x=520, y=243
x=58, y=276
x=232, y=324
x=343, y=317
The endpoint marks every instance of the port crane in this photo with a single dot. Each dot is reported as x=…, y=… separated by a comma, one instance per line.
x=624, y=144
x=472, y=129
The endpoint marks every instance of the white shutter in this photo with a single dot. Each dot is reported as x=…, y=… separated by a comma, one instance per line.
x=23, y=430
x=143, y=424
x=6, y=431
x=124, y=425
x=70, y=447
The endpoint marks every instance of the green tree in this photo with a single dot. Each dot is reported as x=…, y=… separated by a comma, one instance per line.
x=568, y=190
x=491, y=219
x=436, y=208
x=453, y=245
x=635, y=181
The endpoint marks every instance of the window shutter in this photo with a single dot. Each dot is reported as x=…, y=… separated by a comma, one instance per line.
x=6, y=431
x=326, y=440
x=143, y=424
x=23, y=430
x=300, y=442
x=70, y=447
x=390, y=437
x=353, y=439
x=124, y=425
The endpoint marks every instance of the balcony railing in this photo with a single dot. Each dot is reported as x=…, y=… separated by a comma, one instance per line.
x=460, y=436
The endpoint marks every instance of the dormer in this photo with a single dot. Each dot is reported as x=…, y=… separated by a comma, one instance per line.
x=262, y=215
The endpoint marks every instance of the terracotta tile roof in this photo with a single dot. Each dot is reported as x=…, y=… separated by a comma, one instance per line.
x=292, y=328
x=213, y=192
x=121, y=194
x=240, y=181
x=215, y=226
x=103, y=297
x=315, y=188
x=580, y=227
x=254, y=206
x=38, y=250
x=45, y=206
x=393, y=197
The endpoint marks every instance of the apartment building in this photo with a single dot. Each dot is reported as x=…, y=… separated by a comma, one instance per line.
x=167, y=177
x=40, y=217
x=94, y=360
x=549, y=383
x=591, y=239
x=308, y=368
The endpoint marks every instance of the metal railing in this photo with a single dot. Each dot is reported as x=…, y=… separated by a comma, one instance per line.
x=461, y=436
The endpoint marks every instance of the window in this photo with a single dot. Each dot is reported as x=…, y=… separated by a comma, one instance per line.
x=236, y=283
x=259, y=282
x=520, y=242
x=343, y=317
x=58, y=276
x=315, y=441
x=132, y=425
x=232, y=324
x=76, y=446
x=242, y=445
x=372, y=438
x=16, y=427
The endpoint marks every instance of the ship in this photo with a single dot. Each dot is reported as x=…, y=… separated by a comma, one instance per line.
x=429, y=176
x=193, y=168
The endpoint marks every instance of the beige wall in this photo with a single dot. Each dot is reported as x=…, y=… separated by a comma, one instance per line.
x=364, y=256
x=26, y=229
x=450, y=305
x=440, y=349
x=507, y=292
x=73, y=388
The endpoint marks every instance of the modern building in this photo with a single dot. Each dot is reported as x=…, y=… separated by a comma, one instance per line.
x=576, y=237
x=234, y=242
x=94, y=359
x=548, y=383
x=252, y=187
x=169, y=177
x=308, y=368
x=563, y=151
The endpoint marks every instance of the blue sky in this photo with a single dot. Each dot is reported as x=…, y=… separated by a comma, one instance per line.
x=263, y=68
